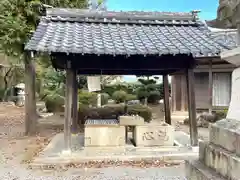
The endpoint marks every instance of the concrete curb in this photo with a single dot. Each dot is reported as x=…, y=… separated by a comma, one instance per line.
x=170, y=157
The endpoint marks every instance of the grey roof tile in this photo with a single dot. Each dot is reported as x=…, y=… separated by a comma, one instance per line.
x=124, y=37
x=226, y=37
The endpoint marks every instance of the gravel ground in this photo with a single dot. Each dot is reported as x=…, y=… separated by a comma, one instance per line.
x=118, y=173
x=14, y=147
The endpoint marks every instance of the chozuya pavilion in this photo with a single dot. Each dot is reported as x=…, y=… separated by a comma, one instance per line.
x=93, y=42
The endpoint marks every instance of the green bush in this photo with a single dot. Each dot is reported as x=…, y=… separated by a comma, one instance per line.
x=112, y=112
x=87, y=98
x=143, y=111
x=131, y=97
x=110, y=89
x=104, y=98
x=119, y=96
x=54, y=103
x=154, y=97
x=141, y=94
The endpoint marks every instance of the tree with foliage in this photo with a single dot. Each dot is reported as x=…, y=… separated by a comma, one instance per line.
x=148, y=91
x=119, y=96
x=18, y=21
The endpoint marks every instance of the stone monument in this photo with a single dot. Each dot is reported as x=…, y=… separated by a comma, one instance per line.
x=220, y=158
x=146, y=135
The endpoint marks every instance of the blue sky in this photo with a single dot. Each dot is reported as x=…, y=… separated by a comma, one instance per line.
x=208, y=9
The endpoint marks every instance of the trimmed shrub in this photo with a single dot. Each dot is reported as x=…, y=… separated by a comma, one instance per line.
x=142, y=94
x=154, y=97
x=54, y=103
x=143, y=111
x=87, y=98
x=119, y=96
x=110, y=89
x=131, y=97
x=112, y=112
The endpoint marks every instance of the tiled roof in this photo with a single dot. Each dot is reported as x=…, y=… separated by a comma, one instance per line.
x=123, y=33
x=223, y=36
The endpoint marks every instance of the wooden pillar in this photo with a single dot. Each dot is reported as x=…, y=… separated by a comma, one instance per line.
x=75, y=103
x=192, y=107
x=183, y=93
x=173, y=91
x=210, y=86
x=30, y=97
x=166, y=99
x=68, y=108
x=177, y=83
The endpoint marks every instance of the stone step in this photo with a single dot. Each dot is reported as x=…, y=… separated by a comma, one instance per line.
x=182, y=139
x=226, y=133
x=195, y=170
x=222, y=161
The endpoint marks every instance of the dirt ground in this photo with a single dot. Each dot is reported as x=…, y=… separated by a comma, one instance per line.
x=16, y=148
x=19, y=149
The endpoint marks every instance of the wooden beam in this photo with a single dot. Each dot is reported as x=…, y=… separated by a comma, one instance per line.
x=68, y=108
x=166, y=99
x=75, y=103
x=30, y=99
x=192, y=107
x=210, y=86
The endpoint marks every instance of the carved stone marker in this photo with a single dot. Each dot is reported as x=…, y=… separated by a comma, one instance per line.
x=154, y=135
x=104, y=133
x=131, y=120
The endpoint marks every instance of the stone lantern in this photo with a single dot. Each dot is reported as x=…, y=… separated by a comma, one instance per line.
x=20, y=94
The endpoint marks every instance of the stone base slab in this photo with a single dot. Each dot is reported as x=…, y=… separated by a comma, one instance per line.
x=154, y=135
x=195, y=170
x=222, y=161
x=104, y=136
x=226, y=133
x=131, y=120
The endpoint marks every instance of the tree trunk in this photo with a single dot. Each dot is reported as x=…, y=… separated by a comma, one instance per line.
x=30, y=99
x=146, y=101
x=6, y=84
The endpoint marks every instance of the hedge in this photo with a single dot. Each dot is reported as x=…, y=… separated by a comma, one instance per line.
x=112, y=112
